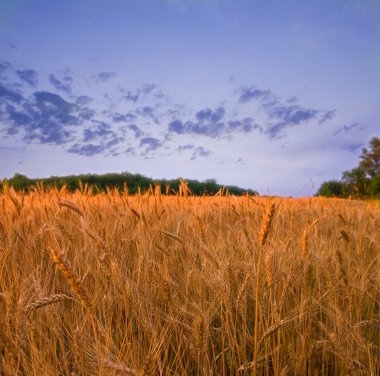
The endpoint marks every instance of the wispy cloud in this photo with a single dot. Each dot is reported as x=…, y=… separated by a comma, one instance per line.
x=99, y=130
x=105, y=76
x=250, y=93
x=288, y=116
x=212, y=123
x=125, y=118
x=150, y=143
x=62, y=85
x=152, y=124
x=83, y=100
x=348, y=128
x=146, y=111
x=30, y=76
x=88, y=149
x=45, y=117
x=281, y=114
x=4, y=66
x=99, y=138
x=139, y=93
x=195, y=151
x=136, y=130
x=132, y=96
x=353, y=147
x=328, y=115
x=10, y=95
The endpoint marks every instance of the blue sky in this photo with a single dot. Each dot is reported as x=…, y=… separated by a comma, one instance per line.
x=277, y=96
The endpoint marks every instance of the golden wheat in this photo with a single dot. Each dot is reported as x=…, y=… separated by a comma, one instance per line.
x=184, y=285
x=71, y=278
x=31, y=307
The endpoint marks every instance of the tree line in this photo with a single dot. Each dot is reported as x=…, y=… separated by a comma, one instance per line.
x=133, y=183
x=362, y=181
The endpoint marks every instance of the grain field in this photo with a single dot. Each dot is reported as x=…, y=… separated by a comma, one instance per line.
x=113, y=284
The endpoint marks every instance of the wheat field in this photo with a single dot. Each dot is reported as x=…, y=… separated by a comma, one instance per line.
x=113, y=284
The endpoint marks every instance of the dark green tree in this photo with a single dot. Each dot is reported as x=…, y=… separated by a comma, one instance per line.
x=133, y=182
x=374, y=186
x=19, y=182
x=332, y=188
x=370, y=159
x=356, y=182
x=361, y=181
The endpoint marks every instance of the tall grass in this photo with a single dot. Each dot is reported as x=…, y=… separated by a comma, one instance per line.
x=112, y=284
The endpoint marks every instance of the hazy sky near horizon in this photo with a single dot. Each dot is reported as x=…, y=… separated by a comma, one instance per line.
x=273, y=95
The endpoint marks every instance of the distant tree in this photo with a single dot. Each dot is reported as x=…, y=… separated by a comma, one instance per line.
x=374, y=186
x=210, y=181
x=332, y=188
x=134, y=183
x=211, y=186
x=356, y=182
x=370, y=159
x=19, y=182
x=361, y=181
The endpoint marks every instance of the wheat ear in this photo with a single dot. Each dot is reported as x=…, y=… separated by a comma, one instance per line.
x=267, y=225
x=71, y=278
x=45, y=301
x=71, y=206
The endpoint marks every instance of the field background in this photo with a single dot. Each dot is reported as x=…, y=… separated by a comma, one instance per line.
x=113, y=284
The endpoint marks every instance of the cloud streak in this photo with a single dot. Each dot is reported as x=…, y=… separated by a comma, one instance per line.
x=348, y=128
x=5, y=66
x=30, y=76
x=281, y=114
x=45, y=117
x=9, y=95
x=105, y=76
x=195, y=151
x=248, y=94
x=212, y=123
x=150, y=144
x=151, y=123
x=60, y=84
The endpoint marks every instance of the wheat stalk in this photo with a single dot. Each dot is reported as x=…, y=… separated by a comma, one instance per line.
x=172, y=236
x=118, y=367
x=266, y=228
x=150, y=366
x=269, y=268
x=305, y=244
